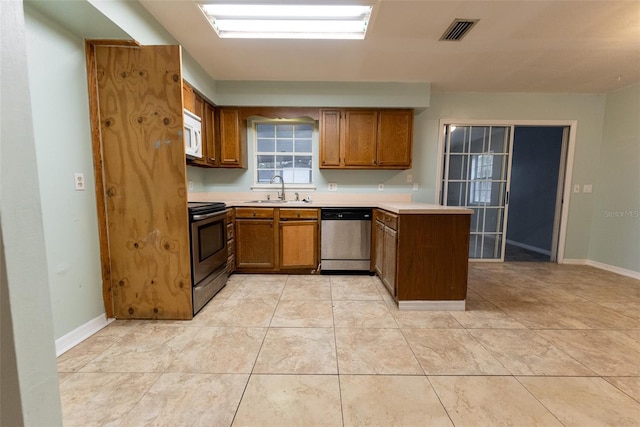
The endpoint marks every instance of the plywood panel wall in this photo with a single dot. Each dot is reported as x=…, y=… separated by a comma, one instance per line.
x=141, y=121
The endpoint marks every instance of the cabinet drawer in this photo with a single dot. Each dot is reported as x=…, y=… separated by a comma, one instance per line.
x=378, y=215
x=254, y=212
x=391, y=221
x=298, y=214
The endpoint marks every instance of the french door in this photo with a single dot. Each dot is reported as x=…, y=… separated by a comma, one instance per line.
x=477, y=167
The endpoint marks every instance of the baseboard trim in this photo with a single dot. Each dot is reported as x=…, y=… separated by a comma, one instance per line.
x=449, y=305
x=603, y=266
x=81, y=333
x=529, y=247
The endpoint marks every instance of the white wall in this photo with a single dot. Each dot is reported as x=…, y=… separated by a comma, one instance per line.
x=615, y=229
x=29, y=391
x=58, y=81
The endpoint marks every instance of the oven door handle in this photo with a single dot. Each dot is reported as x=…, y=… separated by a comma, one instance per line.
x=206, y=216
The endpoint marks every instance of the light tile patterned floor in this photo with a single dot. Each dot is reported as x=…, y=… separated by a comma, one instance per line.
x=540, y=344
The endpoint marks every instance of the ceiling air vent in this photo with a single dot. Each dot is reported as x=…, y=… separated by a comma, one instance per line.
x=458, y=29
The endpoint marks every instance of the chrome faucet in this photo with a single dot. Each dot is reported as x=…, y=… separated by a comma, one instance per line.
x=281, y=194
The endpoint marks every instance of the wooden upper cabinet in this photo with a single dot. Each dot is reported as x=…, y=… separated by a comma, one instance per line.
x=330, y=138
x=188, y=97
x=360, y=138
x=210, y=148
x=395, y=136
x=230, y=138
x=366, y=138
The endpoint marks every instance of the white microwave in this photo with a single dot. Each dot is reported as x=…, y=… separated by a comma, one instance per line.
x=192, y=135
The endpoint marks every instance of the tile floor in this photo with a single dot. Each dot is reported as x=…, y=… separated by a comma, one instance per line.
x=540, y=344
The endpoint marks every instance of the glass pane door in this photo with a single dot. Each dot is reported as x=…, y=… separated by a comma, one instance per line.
x=476, y=171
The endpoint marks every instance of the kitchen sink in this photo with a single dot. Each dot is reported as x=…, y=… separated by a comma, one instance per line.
x=277, y=201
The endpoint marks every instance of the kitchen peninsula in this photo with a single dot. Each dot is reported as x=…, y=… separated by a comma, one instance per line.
x=419, y=250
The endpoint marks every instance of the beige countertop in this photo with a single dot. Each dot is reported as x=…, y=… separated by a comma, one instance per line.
x=396, y=203
x=391, y=206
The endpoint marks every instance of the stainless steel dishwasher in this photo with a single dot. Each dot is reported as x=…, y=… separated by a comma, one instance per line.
x=345, y=240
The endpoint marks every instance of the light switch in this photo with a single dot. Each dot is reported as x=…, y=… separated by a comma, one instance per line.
x=190, y=185
x=587, y=188
x=576, y=188
x=415, y=186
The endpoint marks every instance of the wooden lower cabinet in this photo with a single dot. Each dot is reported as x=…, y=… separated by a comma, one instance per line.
x=299, y=244
x=390, y=259
x=254, y=236
x=273, y=240
x=425, y=257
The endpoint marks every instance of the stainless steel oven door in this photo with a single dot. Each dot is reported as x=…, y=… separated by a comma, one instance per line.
x=208, y=244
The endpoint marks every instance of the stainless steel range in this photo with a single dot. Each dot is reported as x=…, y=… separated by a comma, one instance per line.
x=208, y=251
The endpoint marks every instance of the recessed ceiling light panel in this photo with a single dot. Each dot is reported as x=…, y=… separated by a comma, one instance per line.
x=293, y=21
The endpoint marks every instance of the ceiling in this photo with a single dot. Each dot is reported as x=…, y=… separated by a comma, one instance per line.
x=517, y=46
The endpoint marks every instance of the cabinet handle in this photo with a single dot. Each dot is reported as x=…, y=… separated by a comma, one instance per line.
x=211, y=159
x=373, y=162
x=254, y=213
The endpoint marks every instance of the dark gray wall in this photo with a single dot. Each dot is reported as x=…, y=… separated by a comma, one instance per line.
x=534, y=183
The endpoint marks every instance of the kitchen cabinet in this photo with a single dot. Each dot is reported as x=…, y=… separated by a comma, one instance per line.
x=366, y=138
x=256, y=239
x=189, y=97
x=210, y=150
x=276, y=240
x=385, y=248
x=424, y=256
x=199, y=110
x=231, y=241
x=230, y=138
x=298, y=238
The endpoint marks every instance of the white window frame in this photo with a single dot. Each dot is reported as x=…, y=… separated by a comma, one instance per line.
x=481, y=172
x=253, y=141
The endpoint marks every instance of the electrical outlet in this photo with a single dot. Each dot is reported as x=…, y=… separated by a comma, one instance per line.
x=190, y=185
x=333, y=186
x=576, y=188
x=380, y=187
x=79, y=181
x=415, y=186
x=587, y=188
x=409, y=179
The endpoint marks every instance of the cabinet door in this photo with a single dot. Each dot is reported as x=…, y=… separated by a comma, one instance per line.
x=299, y=244
x=210, y=149
x=379, y=248
x=395, y=130
x=329, y=138
x=230, y=138
x=199, y=110
x=361, y=128
x=188, y=97
x=255, y=246
x=389, y=262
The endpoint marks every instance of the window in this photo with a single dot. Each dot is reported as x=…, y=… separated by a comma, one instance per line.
x=285, y=149
x=481, y=171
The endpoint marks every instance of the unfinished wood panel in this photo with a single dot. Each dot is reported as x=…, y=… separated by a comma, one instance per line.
x=329, y=138
x=395, y=135
x=141, y=123
x=298, y=244
x=360, y=138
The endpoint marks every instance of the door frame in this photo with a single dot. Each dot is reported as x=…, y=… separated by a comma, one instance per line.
x=568, y=147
